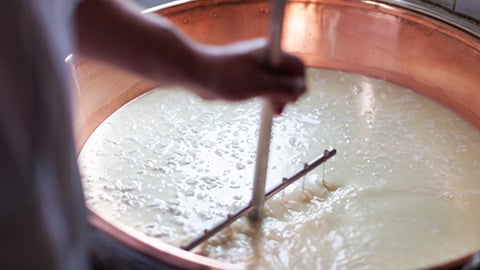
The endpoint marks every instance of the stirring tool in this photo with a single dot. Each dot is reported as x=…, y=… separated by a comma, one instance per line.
x=274, y=57
x=327, y=154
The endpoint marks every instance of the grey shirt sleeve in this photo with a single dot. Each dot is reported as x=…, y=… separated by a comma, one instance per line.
x=42, y=212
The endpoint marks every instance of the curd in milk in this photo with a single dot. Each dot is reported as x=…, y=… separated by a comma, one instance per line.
x=405, y=181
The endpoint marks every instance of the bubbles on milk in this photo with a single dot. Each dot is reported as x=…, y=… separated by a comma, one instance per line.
x=170, y=166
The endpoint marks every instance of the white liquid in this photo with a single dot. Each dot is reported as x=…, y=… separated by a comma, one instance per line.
x=405, y=178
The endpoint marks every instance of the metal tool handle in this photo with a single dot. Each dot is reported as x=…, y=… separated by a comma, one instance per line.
x=274, y=57
x=274, y=51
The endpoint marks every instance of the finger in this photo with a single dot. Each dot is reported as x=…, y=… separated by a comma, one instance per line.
x=291, y=87
x=278, y=101
x=277, y=106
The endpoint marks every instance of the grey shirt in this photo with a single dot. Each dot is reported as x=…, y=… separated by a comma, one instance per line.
x=42, y=212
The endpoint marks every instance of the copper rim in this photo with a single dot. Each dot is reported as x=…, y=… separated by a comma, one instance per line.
x=435, y=58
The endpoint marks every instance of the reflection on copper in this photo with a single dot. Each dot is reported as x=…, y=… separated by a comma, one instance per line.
x=407, y=48
x=367, y=101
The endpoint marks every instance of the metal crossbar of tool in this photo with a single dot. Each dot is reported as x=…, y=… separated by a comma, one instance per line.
x=244, y=210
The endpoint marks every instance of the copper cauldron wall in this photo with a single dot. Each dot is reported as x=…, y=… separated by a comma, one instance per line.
x=414, y=50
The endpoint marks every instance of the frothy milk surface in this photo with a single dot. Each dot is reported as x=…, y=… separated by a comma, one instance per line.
x=403, y=190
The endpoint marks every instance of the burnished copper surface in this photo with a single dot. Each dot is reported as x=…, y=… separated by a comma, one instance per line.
x=431, y=57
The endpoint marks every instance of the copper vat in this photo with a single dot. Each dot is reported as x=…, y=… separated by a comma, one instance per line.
x=435, y=58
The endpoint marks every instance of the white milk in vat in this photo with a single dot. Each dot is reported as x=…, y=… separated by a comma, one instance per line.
x=405, y=181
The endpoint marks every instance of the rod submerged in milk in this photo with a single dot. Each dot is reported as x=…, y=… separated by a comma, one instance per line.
x=274, y=57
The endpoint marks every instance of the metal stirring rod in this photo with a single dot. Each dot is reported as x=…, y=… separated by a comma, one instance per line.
x=274, y=57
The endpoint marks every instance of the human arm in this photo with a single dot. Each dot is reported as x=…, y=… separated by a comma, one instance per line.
x=112, y=32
